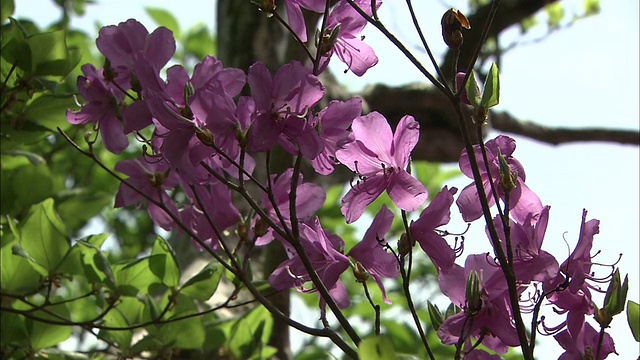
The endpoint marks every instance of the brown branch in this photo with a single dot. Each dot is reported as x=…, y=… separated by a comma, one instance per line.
x=503, y=121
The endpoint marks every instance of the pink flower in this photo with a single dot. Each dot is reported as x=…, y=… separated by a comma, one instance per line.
x=102, y=109
x=522, y=201
x=296, y=18
x=283, y=105
x=348, y=44
x=423, y=230
x=328, y=262
x=584, y=342
x=379, y=158
x=122, y=44
x=309, y=198
x=371, y=252
x=334, y=122
x=153, y=180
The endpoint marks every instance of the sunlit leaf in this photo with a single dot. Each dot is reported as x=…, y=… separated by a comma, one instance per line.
x=376, y=348
x=202, y=285
x=164, y=18
x=166, y=270
x=491, y=93
x=633, y=318
x=43, y=236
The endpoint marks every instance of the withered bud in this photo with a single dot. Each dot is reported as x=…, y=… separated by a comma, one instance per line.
x=404, y=245
x=205, y=136
x=108, y=72
x=360, y=273
x=261, y=227
x=243, y=231
x=267, y=6
x=452, y=23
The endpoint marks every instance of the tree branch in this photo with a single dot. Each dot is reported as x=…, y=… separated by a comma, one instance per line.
x=503, y=121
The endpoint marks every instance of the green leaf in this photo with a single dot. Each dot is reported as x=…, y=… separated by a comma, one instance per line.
x=81, y=260
x=164, y=18
x=43, y=236
x=591, y=7
x=32, y=184
x=491, y=93
x=135, y=277
x=13, y=329
x=166, y=270
x=202, y=285
x=49, y=111
x=115, y=318
x=199, y=42
x=250, y=333
x=18, y=275
x=473, y=90
x=49, y=54
x=633, y=318
x=376, y=348
x=435, y=315
x=555, y=13
x=186, y=333
x=7, y=7
x=43, y=334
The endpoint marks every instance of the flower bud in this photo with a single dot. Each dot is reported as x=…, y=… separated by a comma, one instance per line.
x=267, y=6
x=452, y=23
x=205, y=136
x=360, y=273
x=261, y=227
x=328, y=39
x=508, y=178
x=435, y=315
x=615, y=299
x=403, y=245
x=473, y=294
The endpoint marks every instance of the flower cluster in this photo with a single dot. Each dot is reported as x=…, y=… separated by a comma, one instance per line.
x=202, y=133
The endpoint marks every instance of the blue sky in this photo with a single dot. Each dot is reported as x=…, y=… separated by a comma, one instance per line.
x=585, y=75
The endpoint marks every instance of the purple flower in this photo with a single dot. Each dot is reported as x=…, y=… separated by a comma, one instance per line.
x=530, y=262
x=296, y=18
x=572, y=293
x=218, y=208
x=122, y=44
x=584, y=343
x=371, y=252
x=347, y=44
x=522, y=201
x=379, y=158
x=283, y=105
x=153, y=180
x=102, y=109
x=327, y=261
x=423, y=230
x=309, y=198
x=334, y=122
x=492, y=321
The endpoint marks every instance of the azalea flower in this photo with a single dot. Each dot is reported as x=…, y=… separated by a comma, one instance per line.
x=296, y=18
x=153, y=180
x=584, y=344
x=423, y=230
x=522, y=201
x=283, y=105
x=371, y=252
x=309, y=199
x=123, y=43
x=102, y=109
x=333, y=124
x=328, y=262
x=379, y=158
x=342, y=37
x=492, y=321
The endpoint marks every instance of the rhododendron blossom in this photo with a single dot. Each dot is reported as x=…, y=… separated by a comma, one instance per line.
x=379, y=158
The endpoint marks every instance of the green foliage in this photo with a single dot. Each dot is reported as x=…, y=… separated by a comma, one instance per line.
x=633, y=318
x=202, y=285
x=376, y=348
